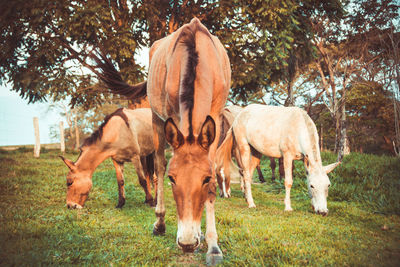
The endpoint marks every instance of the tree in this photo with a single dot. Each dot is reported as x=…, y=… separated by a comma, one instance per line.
x=346, y=47
x=47, y=47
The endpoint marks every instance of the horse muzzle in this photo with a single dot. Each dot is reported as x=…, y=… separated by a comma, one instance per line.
x=189, y=247
x=73, y=205
x=188, y=235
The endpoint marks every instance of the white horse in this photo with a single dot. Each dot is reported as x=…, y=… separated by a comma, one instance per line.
x=286, y=132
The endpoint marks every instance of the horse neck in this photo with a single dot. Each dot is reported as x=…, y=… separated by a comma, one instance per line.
x=315, y=162
x=90, y=158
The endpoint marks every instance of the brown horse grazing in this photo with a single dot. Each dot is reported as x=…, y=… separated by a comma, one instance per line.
x=278, y=132
x=125, y=135
x=188, y=84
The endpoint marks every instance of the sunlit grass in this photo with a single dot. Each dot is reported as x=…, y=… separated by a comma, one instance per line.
x=362, y=228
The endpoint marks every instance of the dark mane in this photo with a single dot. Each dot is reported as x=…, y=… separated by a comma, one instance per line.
x=96, y=135
x=186, y=96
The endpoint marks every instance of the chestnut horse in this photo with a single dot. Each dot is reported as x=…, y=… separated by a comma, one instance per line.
x=187, y=87
x=286, y=132
x=125, y=136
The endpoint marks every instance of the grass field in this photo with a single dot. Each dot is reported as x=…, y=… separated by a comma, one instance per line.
x=362, y=228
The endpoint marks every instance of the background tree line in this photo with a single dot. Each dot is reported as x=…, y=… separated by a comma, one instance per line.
x=339, y=60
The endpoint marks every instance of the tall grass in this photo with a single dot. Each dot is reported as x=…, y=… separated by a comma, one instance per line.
x=362, y=229
x=371, y=181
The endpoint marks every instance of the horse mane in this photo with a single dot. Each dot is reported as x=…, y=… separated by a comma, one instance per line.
x=313, y=134
x=187, y=38
x=96, y=135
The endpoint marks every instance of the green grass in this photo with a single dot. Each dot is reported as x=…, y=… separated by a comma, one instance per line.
x=362, y=228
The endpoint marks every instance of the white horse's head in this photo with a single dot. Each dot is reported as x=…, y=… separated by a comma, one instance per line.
x=318, y=187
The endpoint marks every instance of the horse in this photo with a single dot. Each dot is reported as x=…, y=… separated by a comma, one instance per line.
x=125, y=136
x=286, y=132
x=187, y=86
x=227, y=117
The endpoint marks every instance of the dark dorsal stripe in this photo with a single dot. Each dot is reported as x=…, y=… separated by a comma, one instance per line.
x=96, y=135
x=186, y=96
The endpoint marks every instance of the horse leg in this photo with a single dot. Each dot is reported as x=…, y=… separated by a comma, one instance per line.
x=119, y=169
x=281, y=169
x=138, y=163
x=220, y=179
x=160, y=164
x=287, y=164
x=260, y=174
x=240, y=165
x=214, y=253
x=227, y=184
x=272, y=164
x=246, y=162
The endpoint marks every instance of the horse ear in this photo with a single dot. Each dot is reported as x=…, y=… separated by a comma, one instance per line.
x=207, y=133
x=69, y=163
x=172, y=134
x=330, y=167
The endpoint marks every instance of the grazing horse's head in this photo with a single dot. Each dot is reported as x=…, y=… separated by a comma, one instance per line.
x=79, y=184
x=190, y=172
x=318, y=186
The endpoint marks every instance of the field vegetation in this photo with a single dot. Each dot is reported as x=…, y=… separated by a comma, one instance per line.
x=362, y=228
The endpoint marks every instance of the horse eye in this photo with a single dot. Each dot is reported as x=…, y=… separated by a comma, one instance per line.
x=69, y=183
x=207, y=180
x=311, y=186
x=329, y=185
x=171, y=179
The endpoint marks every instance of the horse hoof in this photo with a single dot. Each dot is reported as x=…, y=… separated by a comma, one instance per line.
x=252, y=206
x=288, y=209
x=215, y=257
x=120, y=204
x=150, y=202
x=159, y=230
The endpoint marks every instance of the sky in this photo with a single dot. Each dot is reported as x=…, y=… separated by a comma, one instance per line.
x=16, y=115
x=16, y=120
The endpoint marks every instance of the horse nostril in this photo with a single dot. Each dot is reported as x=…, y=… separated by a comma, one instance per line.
x=189, y=247
x=323, y=213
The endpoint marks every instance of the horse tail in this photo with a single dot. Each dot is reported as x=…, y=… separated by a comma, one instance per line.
x=149, y=168
x=111, y=77
x=224, y=153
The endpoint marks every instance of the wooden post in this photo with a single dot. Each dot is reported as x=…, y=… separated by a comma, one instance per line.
x=36, y=150
x=62, y=139
x=77, y=145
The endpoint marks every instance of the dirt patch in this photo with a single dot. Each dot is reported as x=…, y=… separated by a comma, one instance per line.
x=188, y=259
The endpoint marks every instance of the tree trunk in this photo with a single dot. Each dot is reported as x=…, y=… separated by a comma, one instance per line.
x=289, y=100
x=321, y=136
x=342, y=140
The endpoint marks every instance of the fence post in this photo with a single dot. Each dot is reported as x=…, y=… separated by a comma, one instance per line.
x=62, y=140
x=36, y=150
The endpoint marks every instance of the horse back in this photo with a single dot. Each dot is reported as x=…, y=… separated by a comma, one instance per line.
x=189, y=76
x=274, y=131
